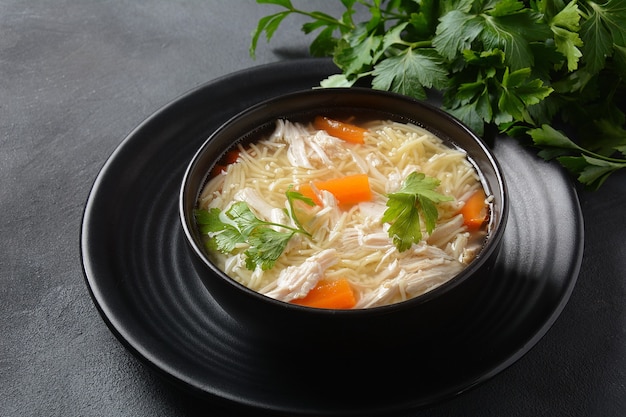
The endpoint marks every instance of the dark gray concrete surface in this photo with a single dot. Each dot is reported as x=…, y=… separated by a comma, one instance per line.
x=76, y=76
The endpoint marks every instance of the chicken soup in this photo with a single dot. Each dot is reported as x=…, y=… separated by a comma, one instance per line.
x=342, y=214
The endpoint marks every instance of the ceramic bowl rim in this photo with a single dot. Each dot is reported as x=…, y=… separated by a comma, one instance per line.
x=487, y=252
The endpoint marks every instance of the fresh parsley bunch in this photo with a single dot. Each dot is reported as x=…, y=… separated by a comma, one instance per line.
x=517, y=67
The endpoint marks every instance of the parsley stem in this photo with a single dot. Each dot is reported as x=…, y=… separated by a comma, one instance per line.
x=321, y=17
x=291, y=229
x=587, y=152
x=420, y=44
x=387, y=13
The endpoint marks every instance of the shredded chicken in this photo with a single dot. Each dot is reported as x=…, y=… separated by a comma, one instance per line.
x=295, y=136
x=373, y=210
x=308, y=149
x=426, y=276
x=413, y=276
x=296, y=281
x=324, y=146
x=262, y=208
x=445, y=232
x=354, y=242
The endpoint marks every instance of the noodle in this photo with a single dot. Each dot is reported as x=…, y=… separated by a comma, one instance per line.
x=354, y=242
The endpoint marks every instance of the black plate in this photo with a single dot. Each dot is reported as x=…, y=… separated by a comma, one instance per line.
x=139, y=273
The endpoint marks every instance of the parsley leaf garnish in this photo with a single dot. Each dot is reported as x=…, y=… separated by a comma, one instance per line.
x=415, y=200
x=266, y=245
x=227, y=230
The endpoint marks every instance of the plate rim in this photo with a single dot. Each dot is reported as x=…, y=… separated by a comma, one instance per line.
x=171, y=373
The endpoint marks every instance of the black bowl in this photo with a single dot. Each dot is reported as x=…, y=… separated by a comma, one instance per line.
x=415, y=321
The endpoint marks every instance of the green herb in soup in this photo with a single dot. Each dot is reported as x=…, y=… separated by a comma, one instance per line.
x=375, y=212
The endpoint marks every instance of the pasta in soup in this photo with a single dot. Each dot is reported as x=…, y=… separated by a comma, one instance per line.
x=329, y=214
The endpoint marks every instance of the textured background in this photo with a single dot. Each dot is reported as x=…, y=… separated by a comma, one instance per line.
x=76, y=76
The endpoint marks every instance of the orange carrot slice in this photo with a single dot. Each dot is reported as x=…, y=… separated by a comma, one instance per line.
x=350, y=189
x=475, y=210
x=329, y=294
x=229, y=158
x=342, y=130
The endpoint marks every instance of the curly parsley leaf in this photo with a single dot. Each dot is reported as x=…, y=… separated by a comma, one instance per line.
x=413, y=204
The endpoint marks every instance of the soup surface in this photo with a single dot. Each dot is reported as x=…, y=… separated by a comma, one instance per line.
x=329, y=214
